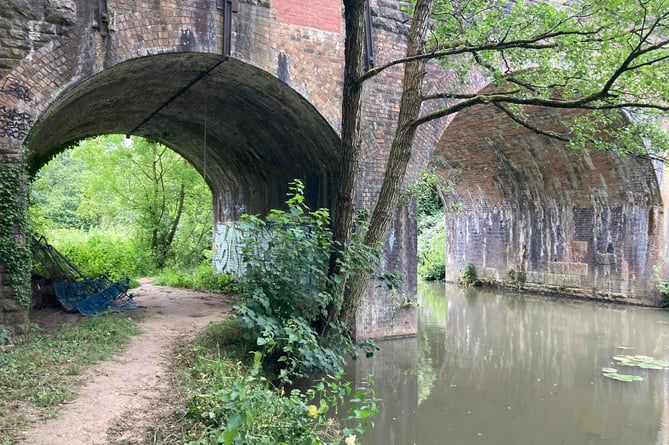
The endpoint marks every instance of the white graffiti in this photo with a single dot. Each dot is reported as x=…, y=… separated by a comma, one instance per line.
x=227, y=255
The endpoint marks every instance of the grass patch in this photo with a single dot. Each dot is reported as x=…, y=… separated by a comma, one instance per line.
x=202, y=278
x=39, y=371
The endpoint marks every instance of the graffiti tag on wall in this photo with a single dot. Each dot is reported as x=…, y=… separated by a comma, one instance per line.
x=16, y=88
x=13, y=123
x=227, y=254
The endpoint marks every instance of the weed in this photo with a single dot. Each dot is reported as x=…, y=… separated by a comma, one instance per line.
x=287, y=291
x=469, y=277
x=232, y=402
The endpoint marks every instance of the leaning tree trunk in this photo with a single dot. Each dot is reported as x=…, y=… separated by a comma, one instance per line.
x=400, y=154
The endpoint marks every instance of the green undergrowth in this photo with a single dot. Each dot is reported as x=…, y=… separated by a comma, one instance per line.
x=40, y=371
x=101, y=252
x=231, y=401
x=238, y=377
x=202, y=278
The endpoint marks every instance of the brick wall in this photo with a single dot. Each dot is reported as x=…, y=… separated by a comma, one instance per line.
x=324, y=15
x=525, y=208
x=25, y=27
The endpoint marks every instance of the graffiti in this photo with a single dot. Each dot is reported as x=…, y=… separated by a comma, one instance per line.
x=227, y=254
x=16, y=88
x=14, y=124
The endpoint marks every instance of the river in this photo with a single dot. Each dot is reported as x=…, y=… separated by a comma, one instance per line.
x=489, y=367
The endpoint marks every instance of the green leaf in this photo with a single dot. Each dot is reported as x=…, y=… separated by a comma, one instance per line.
x=622, y=377
x=641, y=361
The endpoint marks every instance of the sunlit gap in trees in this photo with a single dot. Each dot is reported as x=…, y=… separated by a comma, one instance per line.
x=123, y=206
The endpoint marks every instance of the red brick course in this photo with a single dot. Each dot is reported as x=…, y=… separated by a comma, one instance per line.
x=324, y=15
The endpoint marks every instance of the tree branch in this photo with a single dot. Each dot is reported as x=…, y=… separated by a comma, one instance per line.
x=529, y=126
x=462, y=47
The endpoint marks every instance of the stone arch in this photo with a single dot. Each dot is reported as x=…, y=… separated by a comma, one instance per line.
x=525, y=210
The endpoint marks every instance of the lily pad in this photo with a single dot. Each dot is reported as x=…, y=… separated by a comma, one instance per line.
x=641, y=361
x=623, y=377
x=609, y=370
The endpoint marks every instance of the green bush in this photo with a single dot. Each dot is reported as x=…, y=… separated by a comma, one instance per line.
x=664, y=292
x=430, y=222
x=233, y=403
x=286, y=292
x=286, y=289
x=98, y=252
x=432, y=248
x=432, y=257
x=469, y=277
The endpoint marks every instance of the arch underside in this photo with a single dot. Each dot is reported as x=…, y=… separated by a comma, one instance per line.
x=526, y=210
x=245, y=131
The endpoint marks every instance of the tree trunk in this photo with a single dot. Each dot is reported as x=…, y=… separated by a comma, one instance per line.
x=177, y=218
x=354, y=11
x=400, y=154
x=344, y=210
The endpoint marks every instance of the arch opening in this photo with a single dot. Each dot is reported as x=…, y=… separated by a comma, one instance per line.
x=245, y=131
x=119, y=207
x=524, y=210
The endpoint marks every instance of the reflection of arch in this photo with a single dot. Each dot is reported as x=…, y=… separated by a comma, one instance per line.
x=523, y=202
x=243, y=129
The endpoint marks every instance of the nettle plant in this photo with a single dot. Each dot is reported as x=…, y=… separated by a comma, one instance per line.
x=287, y=291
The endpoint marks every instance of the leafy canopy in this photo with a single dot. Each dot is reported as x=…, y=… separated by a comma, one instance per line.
x=591, y=55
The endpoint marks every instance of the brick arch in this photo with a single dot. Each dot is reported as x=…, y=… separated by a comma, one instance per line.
x=247, y=132
x=280, y=73
x=524, y=208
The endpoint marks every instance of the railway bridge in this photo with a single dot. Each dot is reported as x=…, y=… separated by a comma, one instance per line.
x=249, y=92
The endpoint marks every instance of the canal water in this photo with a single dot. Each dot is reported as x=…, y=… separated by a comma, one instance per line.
x=489, y=367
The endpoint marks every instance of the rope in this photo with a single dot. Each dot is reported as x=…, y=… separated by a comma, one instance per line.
x=204, y=142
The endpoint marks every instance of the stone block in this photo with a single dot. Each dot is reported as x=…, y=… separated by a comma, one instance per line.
x=605, y=259
x=16, y=322
x=10, y=305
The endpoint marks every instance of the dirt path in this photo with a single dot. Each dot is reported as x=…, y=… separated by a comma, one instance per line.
x=131, y=388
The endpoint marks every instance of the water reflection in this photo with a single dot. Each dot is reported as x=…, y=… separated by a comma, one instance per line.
x=494, y=368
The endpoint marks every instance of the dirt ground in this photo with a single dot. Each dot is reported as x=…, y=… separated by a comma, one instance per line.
x=124, y=396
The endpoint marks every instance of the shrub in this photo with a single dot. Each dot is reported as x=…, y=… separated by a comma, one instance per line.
x=286, y=289
x=96, y=253
x=469, y=277
x=231, y=402
x=664, y=292
x=432, y=258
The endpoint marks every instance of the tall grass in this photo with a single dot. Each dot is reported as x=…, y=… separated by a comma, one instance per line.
x=98, y=252
x=204, y=278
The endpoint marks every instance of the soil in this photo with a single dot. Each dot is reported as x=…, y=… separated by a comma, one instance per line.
x=126, y=397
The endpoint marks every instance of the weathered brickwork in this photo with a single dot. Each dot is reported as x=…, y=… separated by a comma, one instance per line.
x=26, y=26
x=526, y=211
x=270, y=113
x=12, y=314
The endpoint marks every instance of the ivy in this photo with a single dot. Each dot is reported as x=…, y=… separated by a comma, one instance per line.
x=14, y=252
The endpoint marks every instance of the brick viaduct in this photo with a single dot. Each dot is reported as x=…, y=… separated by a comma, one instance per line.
x=256, y=103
